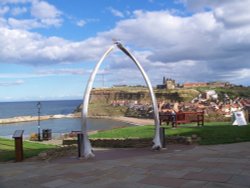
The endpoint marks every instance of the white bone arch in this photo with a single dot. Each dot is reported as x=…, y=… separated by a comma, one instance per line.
x=86, y=149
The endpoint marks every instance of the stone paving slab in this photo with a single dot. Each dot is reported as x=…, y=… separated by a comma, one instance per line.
x=177, y=166
x=222, y=185
x=241, y=180
x=219, y=177
x=163, y=181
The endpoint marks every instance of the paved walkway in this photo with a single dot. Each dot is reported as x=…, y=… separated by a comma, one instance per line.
x=178, y=166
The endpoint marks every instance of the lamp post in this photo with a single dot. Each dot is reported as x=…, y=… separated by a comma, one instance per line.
x=38, y=126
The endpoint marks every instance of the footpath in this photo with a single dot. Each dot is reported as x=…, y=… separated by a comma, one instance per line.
x=177, y=166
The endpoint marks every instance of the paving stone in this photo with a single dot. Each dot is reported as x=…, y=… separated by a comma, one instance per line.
x=208, y=177
x=19, y=184
x=74, y=185
x=232, y=160
x=163, y=181
x=196, y=166
x=41, y=179
x=194, y=184
x=141, y=165
x=209, y=159
x=222, y=171
x=245, y=172
x=86, y=180
x=129, y=184
x=222, y=185
x=134, y=178
x=56, y=183
x=202, y=164
x=240, y=180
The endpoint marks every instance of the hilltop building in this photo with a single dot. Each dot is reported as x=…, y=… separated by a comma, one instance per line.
x=195, y=84
x=206, y=84
x=219, y=84
x=167, y=84
x=171, y=84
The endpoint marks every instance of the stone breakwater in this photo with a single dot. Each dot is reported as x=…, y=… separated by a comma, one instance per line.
x=35, y=118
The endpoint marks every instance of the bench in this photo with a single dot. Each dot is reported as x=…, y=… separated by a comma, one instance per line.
x=182, y=118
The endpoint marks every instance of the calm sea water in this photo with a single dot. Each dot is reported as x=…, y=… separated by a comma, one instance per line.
x=57, y=126
x=13, y=109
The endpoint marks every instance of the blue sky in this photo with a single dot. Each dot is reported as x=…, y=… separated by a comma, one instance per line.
x=48, y=48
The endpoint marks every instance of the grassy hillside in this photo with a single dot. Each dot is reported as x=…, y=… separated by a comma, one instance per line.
x=102, y=98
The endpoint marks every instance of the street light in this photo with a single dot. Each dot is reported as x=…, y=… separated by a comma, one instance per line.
x=38, y=126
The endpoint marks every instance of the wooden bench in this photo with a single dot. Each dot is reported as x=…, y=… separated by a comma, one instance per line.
x=182, y=118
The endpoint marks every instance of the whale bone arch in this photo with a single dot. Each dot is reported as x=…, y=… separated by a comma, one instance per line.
x=85, y=145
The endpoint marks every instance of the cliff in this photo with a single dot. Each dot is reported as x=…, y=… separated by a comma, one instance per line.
x=141, y=95
x=115, y=101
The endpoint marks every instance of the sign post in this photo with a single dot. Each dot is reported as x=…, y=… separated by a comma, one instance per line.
x=18, y=136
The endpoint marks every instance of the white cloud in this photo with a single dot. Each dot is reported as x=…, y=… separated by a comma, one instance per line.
x=81, y=23
x=207, y=45
x=65, y=71
x=13, y=83
x=42, y=14
x=18, y=10
x=200, y=38
x=4, y=10
x=51, y=72
x=233, y=14
x=44, y=10
x=230, y=13
x=23, y=47
x=116, y=12
x=47, y=13
x=14, y=1
x=24, y=24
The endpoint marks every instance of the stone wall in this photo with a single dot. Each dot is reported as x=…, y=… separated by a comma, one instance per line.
x=134, y=142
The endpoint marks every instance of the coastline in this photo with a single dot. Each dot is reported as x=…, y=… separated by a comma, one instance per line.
x=130, y=120
x=20, y=119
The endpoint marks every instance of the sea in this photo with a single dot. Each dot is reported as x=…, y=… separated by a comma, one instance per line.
x=57, y=126
x=14, y=109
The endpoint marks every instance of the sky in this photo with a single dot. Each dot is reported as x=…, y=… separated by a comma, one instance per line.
x=49, y=48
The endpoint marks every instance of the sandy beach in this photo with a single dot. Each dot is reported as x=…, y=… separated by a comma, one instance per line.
x=131, y=120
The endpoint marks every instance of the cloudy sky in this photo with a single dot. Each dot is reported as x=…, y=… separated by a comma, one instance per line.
x=48, y=48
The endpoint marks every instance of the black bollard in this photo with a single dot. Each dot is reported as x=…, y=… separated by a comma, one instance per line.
x=79, y=143
x=162, y=137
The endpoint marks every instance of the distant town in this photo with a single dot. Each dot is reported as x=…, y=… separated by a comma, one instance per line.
x=218, y=99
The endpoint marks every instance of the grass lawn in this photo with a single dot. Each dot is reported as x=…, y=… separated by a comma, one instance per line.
x=211, y=133
x=7, y=149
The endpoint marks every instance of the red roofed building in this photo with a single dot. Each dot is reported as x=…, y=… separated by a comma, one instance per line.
x=195, y=84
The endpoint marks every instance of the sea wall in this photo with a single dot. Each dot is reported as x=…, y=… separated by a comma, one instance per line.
x=134, y=142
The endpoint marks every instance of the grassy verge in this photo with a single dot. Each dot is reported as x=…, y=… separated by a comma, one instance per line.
x=7, y=149
x=211, y=133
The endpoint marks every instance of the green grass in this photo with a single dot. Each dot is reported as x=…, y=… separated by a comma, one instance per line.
x=211, y=133
x=103, y=109
x=7, y=149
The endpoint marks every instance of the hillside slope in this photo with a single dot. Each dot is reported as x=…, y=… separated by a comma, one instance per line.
x=103, y=99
